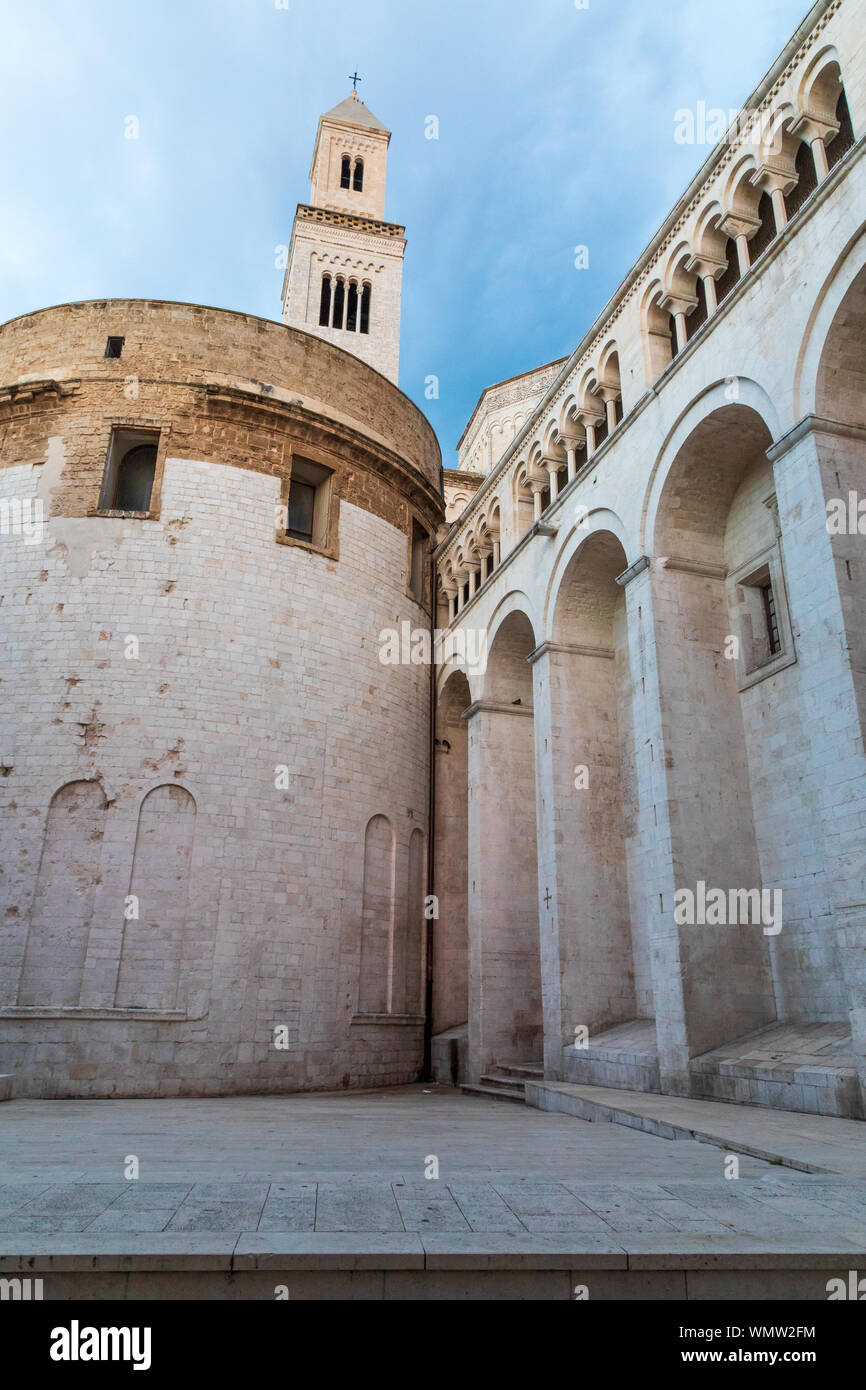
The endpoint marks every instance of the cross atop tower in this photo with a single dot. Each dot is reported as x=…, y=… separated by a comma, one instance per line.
x=355, y=79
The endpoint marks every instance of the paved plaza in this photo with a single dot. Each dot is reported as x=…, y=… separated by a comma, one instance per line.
x=357, y=1164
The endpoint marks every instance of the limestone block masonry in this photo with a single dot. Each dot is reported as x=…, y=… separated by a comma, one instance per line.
x=671, y=701
x=198, y=732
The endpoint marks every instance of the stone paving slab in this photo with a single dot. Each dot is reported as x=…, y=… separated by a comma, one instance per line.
x=294, y=1173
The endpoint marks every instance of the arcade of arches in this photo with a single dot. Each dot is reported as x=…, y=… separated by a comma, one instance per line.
x=667, y=703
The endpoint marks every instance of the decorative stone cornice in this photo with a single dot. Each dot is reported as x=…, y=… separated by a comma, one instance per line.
x=706, y=571
x=813, y=424
x=306, y=213
x=569, y=649
x=494, y=707
x=19, y=392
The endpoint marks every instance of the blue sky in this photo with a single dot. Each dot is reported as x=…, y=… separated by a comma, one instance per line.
x=556, y=129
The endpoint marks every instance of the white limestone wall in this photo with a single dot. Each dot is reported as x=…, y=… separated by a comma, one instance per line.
x=759, y=353
x=251, y=656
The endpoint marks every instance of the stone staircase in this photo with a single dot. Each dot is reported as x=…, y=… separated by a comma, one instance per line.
x=507, y=1081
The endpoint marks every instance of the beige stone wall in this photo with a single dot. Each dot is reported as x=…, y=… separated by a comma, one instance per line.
x=223, y=775
x=357, y=252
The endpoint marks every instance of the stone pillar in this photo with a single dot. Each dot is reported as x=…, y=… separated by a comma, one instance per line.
x=589, y=423
x=819, y=154
x=553, y=475
x=504, y=963
x=583, y=910
x=780, y=212
x=743, y=254
x=711, y=983
x=709, y=284
x=571, y=443
x=496, y=554
x=817, y=462
x=537, y=488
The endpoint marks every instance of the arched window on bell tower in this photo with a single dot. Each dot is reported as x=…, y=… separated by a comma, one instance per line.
x=366, y=294
x=325, y=302
x=352, y=307
x=339, y=299
x=358, y=179
x=346, y=172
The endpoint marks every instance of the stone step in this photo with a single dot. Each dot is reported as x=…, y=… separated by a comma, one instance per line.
x=494, y=1092
x=503, y=1082
x=528, y=1071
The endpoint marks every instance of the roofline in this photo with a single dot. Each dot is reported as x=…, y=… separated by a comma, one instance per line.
x=721, y=147
x=504, y=382
x=237, y=313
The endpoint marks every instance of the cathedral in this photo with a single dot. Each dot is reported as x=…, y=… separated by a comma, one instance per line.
x=613, y=835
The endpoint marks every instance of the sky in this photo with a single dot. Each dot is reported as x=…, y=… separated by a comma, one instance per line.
x=556, y=123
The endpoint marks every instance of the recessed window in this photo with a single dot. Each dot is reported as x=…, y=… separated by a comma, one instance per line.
x=346, y=172
x=325, y=302
x=358, y=177
x=302, y=505
x=762, y=624
x=352, y=308
x=365, y=309
x=114, y=347
x=418, y=564
x=127, y=484
x=309, y=503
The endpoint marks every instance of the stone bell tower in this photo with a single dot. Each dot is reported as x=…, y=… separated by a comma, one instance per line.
x=345, y=267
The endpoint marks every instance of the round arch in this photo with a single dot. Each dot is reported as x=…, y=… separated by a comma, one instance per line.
x=739, y=391
x=582, y=529
x=849, y=265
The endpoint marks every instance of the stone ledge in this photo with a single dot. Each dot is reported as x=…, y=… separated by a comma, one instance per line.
x=244, y=1253
x=788, y=1138
x=323, y=1250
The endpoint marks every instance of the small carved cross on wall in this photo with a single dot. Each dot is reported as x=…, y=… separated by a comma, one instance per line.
x=547, y=897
